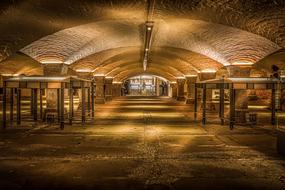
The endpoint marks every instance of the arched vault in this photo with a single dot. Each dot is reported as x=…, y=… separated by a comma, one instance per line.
x=188, y=35
x=223, y=44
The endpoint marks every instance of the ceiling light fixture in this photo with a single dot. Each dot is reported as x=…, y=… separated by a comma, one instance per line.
x=147, y=43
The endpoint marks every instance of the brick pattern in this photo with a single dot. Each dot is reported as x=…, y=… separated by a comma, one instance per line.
x=191, y=34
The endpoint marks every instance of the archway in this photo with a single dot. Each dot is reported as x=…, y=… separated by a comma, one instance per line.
x=146, y=85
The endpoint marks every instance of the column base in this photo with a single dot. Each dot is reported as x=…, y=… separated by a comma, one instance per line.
x=100, y=101
x=190, y=101
x=180, y=98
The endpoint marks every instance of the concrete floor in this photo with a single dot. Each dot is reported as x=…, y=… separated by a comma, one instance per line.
x=141, y=143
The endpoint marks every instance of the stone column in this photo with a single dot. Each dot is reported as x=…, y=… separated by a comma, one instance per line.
x=157, y=86
x=241, y=96
x=100, y=89
x=108, y=88
x=173, y=89
x=51, y=99
x=180, y=89
x=190, y=81
x=117, y=89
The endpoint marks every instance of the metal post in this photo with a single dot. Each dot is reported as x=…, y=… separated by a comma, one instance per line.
x=4, y=105
x=18, y=106
x=92, y=102
x=222, y=104
x=232, y=107
x=273, y=105
x=70, y=103
x=62, y=106
x=195, y=102
x=83, y=103
x=32, y=102
x=11, y=105
x=41, y=103
x=35, y=104
x=204, y=104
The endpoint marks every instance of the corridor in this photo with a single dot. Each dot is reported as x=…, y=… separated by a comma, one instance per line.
x=140, y=143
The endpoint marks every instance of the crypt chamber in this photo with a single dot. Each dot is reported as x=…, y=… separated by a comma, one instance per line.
x=157, y=69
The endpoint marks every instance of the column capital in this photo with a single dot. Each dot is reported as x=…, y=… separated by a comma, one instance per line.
x=191, y=79
x=108, y=80
x=99, y=79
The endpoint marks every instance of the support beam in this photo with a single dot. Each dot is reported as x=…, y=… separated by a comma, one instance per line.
x=222, y=104
x=180, y=89
x=41, y=103
x=100, y=89
x=11, y=105
x=241, y=95
x=70, y=103
x=58, y=105
x=35, y=104
x=232, y=108
x=61, y=103
x=88, y=101
x=204, y=104
x=273, y=105
x=32, y=102
x=4, y=106
x=190, y=81
x=92, y=101
x=195, y=102
x=108, y=89
x=18, y=106
x=83, y=99
x=173, y=86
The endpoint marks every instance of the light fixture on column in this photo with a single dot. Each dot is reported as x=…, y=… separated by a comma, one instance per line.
x=147, y=43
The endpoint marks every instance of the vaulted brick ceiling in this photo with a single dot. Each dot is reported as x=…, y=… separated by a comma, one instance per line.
x=107, y=36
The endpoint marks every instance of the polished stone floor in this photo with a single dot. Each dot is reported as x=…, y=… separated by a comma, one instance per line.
x=141, y=143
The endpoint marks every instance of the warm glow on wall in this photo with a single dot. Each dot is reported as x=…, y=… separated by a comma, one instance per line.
x=51, y=61
x=208, y=71
x=242, y=63
x=85, y=70
x=99, y=75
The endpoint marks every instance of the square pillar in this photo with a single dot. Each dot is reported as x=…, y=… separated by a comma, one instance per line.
x=11, y=105
x=83, y=103
x=117, y=86
x=108, y=88
x=18, y=106
x=4, y=102
x=51, y=102
x=100, y=89
x=180, y=89
x=190, y=81
x=61, y=103
x=70, y=103
x=92, y=100
x=241, y=96
x=173, y=86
